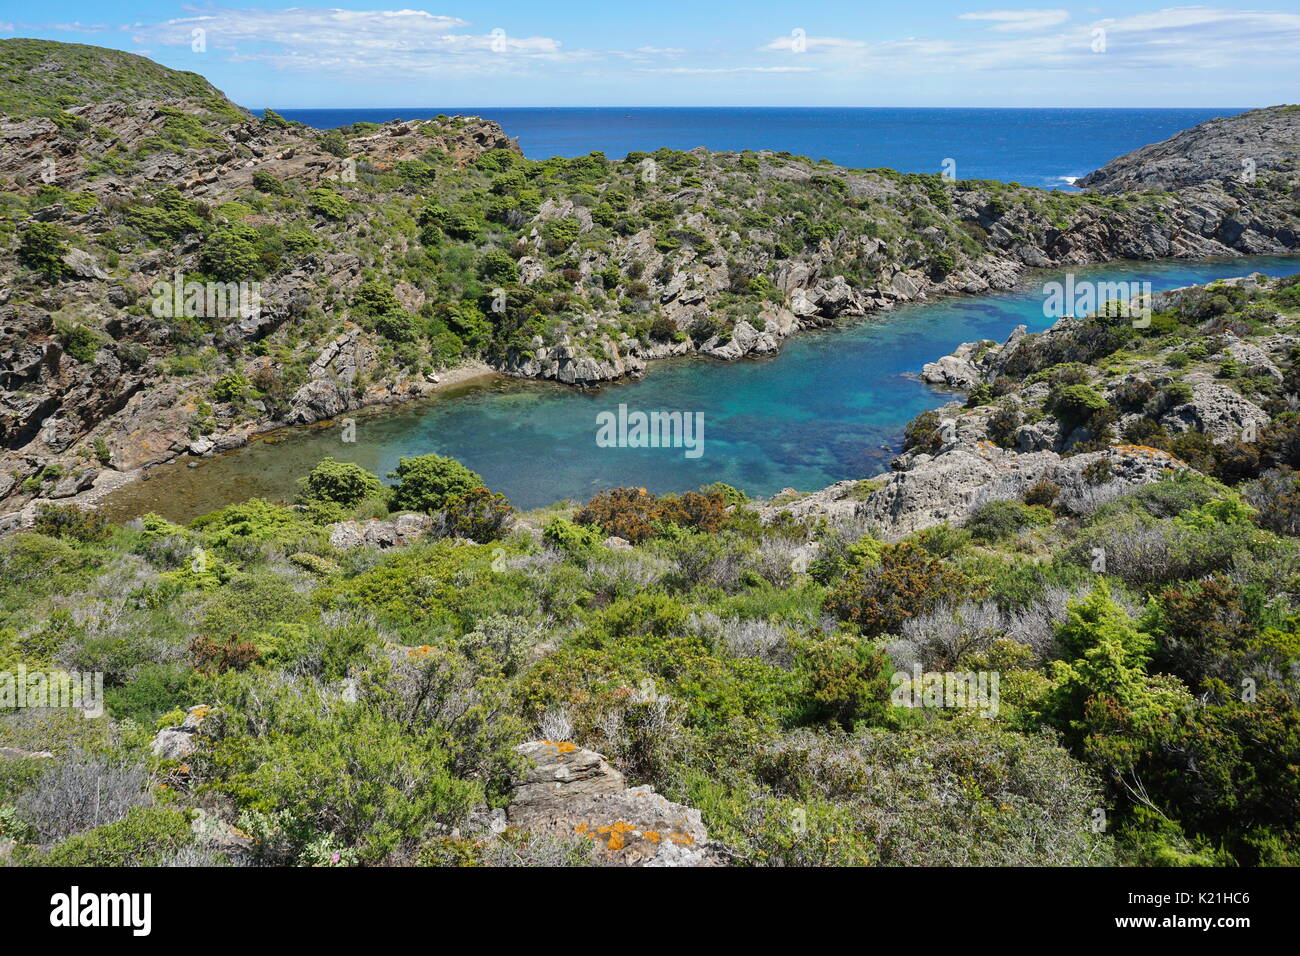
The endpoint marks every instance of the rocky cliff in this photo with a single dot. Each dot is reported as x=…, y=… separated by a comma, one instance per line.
x=1257, y=148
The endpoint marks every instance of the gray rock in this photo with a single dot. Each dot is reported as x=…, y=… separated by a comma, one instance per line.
x=83, y=265
x=177, y=743
x=1216, y=410
x=572, y=791
x=376, y=533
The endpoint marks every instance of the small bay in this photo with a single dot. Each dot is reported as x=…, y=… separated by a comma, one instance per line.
x=832, y=405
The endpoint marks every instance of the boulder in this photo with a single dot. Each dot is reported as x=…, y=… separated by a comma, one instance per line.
x=573, y=791
x=177, y=743
x=83, y=265
x=1216, y=410
x=376, y=533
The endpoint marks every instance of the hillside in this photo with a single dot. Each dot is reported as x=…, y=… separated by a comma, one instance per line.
x=1259, y=149
x=1064, y=630
x=44, y=78
x=418, y=675
x=384, y=255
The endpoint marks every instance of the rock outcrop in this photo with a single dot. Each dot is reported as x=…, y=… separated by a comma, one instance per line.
x=571, y=791
x=1237, y=148
x=376, y=533
x=177, y=743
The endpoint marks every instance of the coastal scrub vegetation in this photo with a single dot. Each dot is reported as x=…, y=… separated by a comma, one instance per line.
x=364, y=703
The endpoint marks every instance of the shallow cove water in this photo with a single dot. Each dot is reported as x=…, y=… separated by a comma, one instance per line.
x=831, y=405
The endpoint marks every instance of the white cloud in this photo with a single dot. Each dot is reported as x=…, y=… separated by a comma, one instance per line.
x=79, y=27
x=1174, y=38
x=803, y=43
x=357, y=41
x=1018, y=21
x=732, y=69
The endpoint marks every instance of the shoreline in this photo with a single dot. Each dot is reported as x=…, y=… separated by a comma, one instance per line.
x=109, y=480
x=476, y=372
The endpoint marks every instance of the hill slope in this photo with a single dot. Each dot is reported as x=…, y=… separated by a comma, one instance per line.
x=44, y=77
x=1263, y=143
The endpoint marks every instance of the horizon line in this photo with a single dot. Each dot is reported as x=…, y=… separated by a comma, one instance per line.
x=1133, y=108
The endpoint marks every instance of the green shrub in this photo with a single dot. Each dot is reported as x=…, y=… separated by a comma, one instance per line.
x=575, y=539
x=847, y=680
x=231, y=387
x=79, y=342
x=147, y=836
x=340, y=482
x=1075, y=405
x=906, y=581
x=996, y=520
x=1042, y=494
x=230, y=254
x=69, y=521
x=354, y=774
x=923, y=433
x=328, y=203
x=41, y=248
x=478, y=514
x=428, y=483
x=496, y=267
x=267, y=183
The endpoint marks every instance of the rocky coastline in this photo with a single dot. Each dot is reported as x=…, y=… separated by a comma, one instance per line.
x=95, y=389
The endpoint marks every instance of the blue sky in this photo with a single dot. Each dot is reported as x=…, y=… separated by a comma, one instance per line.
x=702, y=52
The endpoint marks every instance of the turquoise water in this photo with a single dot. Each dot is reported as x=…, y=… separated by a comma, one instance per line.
x=831, y=405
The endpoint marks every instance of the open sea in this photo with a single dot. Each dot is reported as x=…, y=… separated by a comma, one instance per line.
x=1047, y=148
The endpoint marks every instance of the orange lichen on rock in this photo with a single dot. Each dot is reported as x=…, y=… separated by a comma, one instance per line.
x=420, y=651
x=615, y=833
x=1145, y=450
x=561, y=746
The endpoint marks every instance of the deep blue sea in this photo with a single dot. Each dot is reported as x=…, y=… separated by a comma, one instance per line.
x=1037, y=147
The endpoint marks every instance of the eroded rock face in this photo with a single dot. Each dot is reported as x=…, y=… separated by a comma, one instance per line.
x=569, y=790
x=1216, y=410
x=951, y=484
